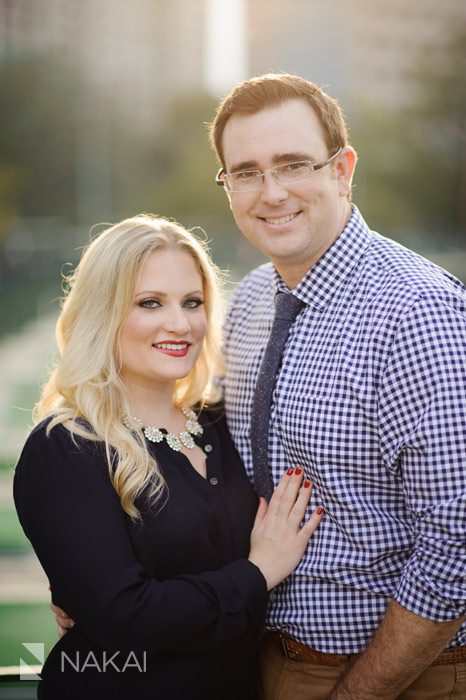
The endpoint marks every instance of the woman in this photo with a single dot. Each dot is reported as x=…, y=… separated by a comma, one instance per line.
x=137, y=507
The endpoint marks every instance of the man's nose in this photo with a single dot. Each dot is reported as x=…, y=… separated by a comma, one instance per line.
x=272, y=191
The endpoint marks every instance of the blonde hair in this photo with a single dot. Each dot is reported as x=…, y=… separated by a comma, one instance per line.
x=85, y=392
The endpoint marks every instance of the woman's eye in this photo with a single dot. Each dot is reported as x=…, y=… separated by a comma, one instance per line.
x=193, y=303
x=149, y=303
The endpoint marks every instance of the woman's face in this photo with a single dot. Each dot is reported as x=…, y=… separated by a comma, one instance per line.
x=161, y=337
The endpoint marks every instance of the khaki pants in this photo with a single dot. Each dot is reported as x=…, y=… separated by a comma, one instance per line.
x=283, y=679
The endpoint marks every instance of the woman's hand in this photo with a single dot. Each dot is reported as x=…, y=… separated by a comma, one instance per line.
x=63, y=620
x=277, y=540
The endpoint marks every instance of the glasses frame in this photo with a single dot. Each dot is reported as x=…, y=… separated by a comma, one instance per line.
x=221, y=175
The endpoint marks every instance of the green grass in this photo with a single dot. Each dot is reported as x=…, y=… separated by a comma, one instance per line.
x=25, y=622
x=12, y=538
x=7, y=464
x=23, y=400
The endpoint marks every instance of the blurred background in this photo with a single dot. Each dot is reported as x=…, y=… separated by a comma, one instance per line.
x=103, y=111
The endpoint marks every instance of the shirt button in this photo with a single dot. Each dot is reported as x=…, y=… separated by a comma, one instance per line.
x=214, y=481
x=208, y=448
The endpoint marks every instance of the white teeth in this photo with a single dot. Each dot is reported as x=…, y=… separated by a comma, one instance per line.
x=281, y=219
x=171, y=346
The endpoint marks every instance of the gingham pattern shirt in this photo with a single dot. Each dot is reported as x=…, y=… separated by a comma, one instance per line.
x=371, y=401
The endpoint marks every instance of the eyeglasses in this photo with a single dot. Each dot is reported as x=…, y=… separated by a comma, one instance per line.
x=285, y=174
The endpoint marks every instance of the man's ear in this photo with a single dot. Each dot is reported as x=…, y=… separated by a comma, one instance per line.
x=344, y=167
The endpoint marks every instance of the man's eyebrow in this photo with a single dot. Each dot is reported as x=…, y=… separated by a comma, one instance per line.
x=244, y=165
x=277, y=159
x=292, y=157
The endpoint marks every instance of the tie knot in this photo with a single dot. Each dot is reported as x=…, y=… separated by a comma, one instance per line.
x=287, y=306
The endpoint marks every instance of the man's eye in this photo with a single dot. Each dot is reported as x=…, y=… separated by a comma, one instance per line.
x=193, y=303
x=301, y=166
x=245, y=175
x=149, y=303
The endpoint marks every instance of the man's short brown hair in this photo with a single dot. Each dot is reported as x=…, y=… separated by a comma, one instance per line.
x=270, y=90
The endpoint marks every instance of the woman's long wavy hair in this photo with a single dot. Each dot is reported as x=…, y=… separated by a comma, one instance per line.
x=84, y=392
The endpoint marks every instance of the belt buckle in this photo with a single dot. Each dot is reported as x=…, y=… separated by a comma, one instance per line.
x=295, y=654
x=288, y=652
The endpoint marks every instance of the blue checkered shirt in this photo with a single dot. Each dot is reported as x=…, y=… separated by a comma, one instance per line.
x=371, y=401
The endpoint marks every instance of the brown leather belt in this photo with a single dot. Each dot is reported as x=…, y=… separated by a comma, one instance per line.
x=295, y=651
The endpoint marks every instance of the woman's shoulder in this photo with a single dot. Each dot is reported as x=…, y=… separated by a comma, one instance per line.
x=48, y=440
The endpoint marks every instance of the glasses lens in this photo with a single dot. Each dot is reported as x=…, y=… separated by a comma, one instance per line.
x=244, y=180
x=292, y=172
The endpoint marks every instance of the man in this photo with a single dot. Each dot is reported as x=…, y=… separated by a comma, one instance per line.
x=370, y=399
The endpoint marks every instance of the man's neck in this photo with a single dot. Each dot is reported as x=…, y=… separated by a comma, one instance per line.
x=293, y=273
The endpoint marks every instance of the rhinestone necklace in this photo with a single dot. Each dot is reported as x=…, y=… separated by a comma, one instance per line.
x=176, y=442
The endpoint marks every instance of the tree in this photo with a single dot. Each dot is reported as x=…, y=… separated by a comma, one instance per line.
x=37, y=139
x=412, y=170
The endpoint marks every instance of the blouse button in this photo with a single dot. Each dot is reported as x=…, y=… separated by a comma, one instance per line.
x=208, y=448
x=214, y=481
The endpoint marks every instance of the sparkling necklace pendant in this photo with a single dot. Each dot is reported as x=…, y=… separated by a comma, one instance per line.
x=193, y=427
x=153, y=434
x=187, y=440
x=174, y=441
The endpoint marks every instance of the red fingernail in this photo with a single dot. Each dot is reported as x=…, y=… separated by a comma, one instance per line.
x=319, y=510
x=306, y=484
x=289, y=471
x=298, y=471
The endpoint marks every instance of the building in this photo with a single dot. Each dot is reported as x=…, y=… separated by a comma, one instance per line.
x=135, y=56
x=361, y=50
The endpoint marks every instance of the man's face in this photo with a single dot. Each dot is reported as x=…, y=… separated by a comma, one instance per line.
x=293, y=224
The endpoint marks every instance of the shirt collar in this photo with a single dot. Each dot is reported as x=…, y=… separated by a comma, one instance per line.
x=324, y=278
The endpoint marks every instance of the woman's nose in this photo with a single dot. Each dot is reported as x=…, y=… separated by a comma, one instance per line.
x=175, y=320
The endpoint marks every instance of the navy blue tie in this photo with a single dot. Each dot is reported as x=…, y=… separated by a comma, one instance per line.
x=287, y=308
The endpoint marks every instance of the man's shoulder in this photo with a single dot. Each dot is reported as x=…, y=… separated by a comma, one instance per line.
x=256, y=279
x=409, y=274
x=256, y=284
x=253, y=293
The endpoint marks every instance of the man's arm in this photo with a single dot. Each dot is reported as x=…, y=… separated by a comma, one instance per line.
x=404, y=645
x=422, y=403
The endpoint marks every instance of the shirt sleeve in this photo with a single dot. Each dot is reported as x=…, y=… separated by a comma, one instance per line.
x=73, y=518
x=422, y=422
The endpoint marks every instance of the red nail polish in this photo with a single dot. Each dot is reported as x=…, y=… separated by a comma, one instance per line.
x=298, y=471
x=289, y=471
x=319, y=510
x=306, y=484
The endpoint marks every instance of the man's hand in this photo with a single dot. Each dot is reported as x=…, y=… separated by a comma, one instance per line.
x=63, y=620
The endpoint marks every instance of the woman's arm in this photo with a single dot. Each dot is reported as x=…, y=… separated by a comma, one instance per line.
x=74, y=520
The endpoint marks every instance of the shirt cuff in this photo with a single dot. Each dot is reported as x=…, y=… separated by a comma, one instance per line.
x=250, y=584
x=412, y=594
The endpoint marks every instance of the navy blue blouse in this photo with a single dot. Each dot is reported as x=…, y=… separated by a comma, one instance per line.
x=172, y=599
